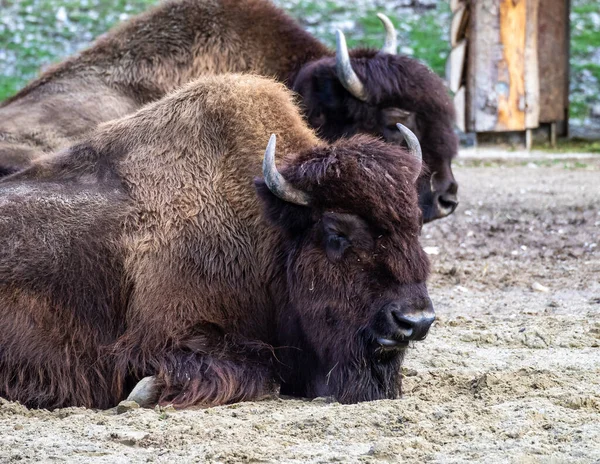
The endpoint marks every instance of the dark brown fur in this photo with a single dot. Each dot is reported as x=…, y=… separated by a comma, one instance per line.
x=179, y=40
x=146, y=250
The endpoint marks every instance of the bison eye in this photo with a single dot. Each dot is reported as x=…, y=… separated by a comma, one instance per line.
x=335, y=246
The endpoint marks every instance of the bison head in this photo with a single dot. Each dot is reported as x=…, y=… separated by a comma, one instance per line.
x=352, y=293
x=370, y=91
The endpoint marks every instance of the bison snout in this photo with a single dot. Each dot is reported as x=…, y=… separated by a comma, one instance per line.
x=446, y=201
x=400, y=323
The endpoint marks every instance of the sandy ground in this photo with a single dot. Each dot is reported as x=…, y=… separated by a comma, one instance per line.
x=509, y=373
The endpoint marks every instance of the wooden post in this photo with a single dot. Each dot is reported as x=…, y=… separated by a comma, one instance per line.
x=459, y=108
x=458, y=27
x=511, y=77
x=531, y=68
x=553, y=51
x=502, y=66
x=456, y=64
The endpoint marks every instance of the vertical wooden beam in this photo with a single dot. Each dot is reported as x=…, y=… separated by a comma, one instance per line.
x=553, y=51
x=511, y=75
x=458, y=26
x=531, y=68
x=482, y=104
x=455, y=5
x=456, y=66
x=459, y=108
x=502, y=75
x=565, y=131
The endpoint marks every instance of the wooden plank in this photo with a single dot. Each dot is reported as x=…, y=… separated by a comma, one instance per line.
x=456, y=4
x=458, y=27
x=459, y=108
x=482, y=104
x=511, y=76
x=456, y=66
x=500, y=64
x=553, y=53
x=531, y=67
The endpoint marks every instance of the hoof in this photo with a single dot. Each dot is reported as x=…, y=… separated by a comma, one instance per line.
x=146, y=392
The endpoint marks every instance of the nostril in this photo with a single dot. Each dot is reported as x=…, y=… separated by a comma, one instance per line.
x=414, y=326
x=448, y=201
x=400, y=322
x=405, y=327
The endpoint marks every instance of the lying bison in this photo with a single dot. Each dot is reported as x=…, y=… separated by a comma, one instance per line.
x=368, y=91
x=155, y=248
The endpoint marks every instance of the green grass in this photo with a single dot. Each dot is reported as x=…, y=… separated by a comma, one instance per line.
x=425, y=35
x=37, y=39
x=573, y=145
x=569, y=164
x=430, y=42
x=9, y=85
x=585, y=70
x=31, y=37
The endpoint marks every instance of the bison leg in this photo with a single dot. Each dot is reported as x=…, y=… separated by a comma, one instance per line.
x=200, y=371
x=211, y=381
x=46, y=366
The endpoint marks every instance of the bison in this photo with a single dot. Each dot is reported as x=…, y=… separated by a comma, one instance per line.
x=156, y=248
x=342, y=94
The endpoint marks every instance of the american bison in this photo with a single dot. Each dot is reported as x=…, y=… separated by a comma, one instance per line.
x=366, y=91
x=156, y=248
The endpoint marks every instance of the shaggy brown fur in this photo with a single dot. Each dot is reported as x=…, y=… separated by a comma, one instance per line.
x=145, y=251
x=179, y=40
x=141, y=61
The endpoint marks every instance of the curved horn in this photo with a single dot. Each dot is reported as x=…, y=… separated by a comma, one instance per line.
x=391, y=41
x=344, y=70
x=414, y=147
x=276, y=182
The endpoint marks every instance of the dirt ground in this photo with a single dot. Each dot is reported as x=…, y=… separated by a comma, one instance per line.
x=509, y=373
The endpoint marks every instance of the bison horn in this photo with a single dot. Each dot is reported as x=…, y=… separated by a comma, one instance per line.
x=276, y=182
x=344, y=70
x=414, y=147
x=391, y=42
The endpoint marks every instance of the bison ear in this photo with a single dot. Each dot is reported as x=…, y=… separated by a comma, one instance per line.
x=392, y=116
x=322, y=94
x=290, y=217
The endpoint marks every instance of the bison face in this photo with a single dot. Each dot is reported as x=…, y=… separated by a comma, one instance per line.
x=349, y=316
x=373, y=91
x=354, y=293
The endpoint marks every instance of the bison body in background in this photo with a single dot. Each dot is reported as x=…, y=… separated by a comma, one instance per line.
x=155, y=248
x=179, y=40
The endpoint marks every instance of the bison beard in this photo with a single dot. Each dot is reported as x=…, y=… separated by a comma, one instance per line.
x=356, y=374
x=146, y=251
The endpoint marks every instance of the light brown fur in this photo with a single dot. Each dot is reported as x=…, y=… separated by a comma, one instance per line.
x=141, y=61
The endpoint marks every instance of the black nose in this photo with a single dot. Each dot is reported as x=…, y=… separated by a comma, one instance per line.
x=403, y=322
x=447, y=201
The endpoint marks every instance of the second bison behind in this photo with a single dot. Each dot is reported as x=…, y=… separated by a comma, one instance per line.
x=156, y=248
x=138, y=62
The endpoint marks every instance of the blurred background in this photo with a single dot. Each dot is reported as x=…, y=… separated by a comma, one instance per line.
x=37, y=33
